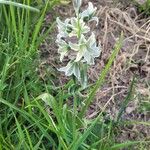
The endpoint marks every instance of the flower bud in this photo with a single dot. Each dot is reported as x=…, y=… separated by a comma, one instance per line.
x=77, y=5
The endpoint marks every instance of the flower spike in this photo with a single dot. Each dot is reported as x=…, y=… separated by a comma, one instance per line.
x=74, y=39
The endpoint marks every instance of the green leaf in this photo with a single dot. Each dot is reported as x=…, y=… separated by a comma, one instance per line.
x=126, y=101
x=126, y=144
x=6, y=2
x=47, y=98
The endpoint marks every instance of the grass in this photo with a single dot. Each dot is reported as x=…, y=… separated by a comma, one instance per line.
x=35, y=116
x=144, y=7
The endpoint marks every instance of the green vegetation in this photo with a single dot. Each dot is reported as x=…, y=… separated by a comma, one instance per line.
x=144, y=7
x=35, y=115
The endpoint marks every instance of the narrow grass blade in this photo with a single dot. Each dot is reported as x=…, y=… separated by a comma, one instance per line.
x=126, y=144
x=38, y=26
x=42, y=37
x=78, y=142
x=28, y=138
x=133, y=122
x=14, y=23
x=102, y=77
x=20, y=131
x=126, y=101
x=29, y=118
x=19, y=5
x=50, y=101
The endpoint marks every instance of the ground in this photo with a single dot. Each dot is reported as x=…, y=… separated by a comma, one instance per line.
x=133, y=61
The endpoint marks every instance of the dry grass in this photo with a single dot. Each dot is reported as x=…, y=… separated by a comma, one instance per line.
x=133, y=60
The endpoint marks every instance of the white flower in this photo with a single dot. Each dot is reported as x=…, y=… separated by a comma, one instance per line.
x=88, y=14
x=71, y=27
x=63, y=28
x=71, y=42
x=78, y=27
x=63, y=48
x=86, y=49
x=72, y=68
x=77, y=5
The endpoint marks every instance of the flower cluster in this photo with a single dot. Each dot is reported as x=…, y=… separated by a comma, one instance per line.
x=72, y=39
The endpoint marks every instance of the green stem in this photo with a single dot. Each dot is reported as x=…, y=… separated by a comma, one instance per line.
x=74, y=116
x=74, y=79
x=79, y=31
x=84, y=77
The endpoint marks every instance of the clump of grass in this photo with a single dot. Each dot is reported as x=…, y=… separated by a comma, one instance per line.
x=21, y=39
x=19, y=42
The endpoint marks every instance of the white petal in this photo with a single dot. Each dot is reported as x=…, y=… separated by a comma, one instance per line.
x=59, y=22
x=74, y=22
x=77, y=71
x=87, y=56
x=84, y=14
x=85, y=29
x=91, y=39
x=67, y=69
x=89, y=59
x=96, y=51
x=63, y=69
x=82, y=40
x=79, y=55
x=74, y=46
x=75, y=28
x=90, y=6
x=94, y=19
x=89, y=11
x=67, y=21
x=69, y=72
x=60, y=41
x=62, y=55
x=77, y=4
